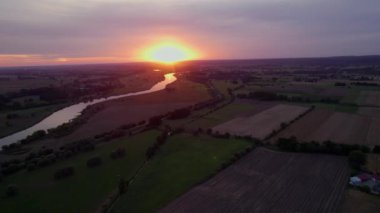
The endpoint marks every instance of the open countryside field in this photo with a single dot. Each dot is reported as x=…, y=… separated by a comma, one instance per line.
x=24, y=118
x=322, y=125
x=182, y=162
x=369, y=98
x=357, y=201
x=262, y=124
x=369, y=111
x=87, y=189
x=231, y=111
x=270, y=181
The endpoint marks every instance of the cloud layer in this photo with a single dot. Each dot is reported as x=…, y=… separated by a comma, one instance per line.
x=114, y=30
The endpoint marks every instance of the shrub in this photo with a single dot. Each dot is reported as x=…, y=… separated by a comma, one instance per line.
x=94, y=162
x=288, y=144
x=376, y=149
x=31, y=167
x=118, y=153
x=365, y=149
x=365, y=188
x=64, y=173
x=357, y=158
x=12, y=190
x=43, y=162
x=179, y=113
x=11, y=168
x=122, y=186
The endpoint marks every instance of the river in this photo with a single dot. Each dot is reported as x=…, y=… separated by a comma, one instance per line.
x=71, y=112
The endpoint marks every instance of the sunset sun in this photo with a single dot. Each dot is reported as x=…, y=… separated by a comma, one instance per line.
x=169, y=53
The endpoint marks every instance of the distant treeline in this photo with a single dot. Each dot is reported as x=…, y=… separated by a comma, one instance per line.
x=272, y=96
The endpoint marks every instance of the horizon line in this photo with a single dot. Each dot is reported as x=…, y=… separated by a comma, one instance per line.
x=195, y=60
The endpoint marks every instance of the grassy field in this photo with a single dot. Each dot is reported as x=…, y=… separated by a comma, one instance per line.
x=269, y=181
x=357, y=201
x=83, y=192
x=351, y=97
x=138, y=82
x=224, y=114
x=334, y=107
x=181, y=163
x=373, y=163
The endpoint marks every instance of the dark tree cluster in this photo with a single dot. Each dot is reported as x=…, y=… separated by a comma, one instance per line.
x=118, y=153
x=261, y=95
x=357, y=159
x=209, y=103
x=155, y=121
x=271, y=96
x=64, y=173
x=329, y=147
x=45, y=157
x=366, y=84
x=179, y=113
x=94, y=162
x=160, y=140
x=37, y=135
x=340, y=84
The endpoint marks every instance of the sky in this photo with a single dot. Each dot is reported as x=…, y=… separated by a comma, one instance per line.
x=36, y=32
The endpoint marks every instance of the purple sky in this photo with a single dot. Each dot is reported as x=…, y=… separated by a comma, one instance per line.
x=85, y=31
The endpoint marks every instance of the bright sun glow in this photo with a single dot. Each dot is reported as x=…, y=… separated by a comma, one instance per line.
x=169, y=53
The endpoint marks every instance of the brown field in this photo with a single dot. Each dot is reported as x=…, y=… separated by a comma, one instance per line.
x=373, y=132
x=261, y=124
x=369, y=98
x=322, y=124
x=270, y=181
x=334, y=92
x=357, y=201
x=304, y=127
x=343, y=128
x=369, y=111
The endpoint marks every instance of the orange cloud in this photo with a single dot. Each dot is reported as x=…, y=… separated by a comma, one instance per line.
x=31, y=59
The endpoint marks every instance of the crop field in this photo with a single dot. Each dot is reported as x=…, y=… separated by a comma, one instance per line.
x=262, y=124
x=369, y=111
x=182, y=162
x=231, y=111
x=369, y=98
x=323, y=124
x=304, y=127
x=270, y=181
x=351, y=96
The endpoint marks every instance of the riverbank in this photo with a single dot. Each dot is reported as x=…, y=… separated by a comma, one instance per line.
x=69, y=113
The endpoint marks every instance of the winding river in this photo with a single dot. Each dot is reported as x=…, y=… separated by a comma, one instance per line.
x=69, y=113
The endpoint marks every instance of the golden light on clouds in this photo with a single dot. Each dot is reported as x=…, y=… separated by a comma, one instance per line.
x=168, y=52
